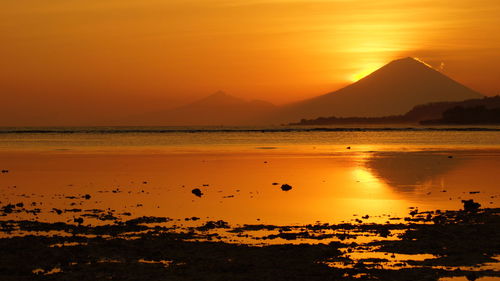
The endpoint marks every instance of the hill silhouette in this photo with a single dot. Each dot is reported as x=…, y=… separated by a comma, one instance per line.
x=386, y=94
x=473, y=111
x=216, y=109
x=391, y=90
x=460, y=115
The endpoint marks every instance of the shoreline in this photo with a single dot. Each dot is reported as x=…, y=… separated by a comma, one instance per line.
x=429, y=245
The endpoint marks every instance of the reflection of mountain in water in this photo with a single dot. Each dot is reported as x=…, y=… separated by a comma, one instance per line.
x=408, y=169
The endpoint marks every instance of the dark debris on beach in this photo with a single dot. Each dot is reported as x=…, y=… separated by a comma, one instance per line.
x=197, y=192
x=286, y=187
x=144, y=248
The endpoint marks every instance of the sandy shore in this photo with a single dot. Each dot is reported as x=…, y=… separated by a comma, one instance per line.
x=423, y=246
x=347, y=214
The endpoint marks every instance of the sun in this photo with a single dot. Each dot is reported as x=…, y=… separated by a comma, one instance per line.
x=363, y=175
x=363, y=72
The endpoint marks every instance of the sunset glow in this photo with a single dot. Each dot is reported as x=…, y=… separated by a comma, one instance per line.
x=303, y=140
x=364, y=72
x=97, y=60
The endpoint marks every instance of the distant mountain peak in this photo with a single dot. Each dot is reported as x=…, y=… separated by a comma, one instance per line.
x=409, y=62
x=405, y=66
x=218, y=108
x=219, y=94
x=407, y=59
x=393, y=89
x=219, y=98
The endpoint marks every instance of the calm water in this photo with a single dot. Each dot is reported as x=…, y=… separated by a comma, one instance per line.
x=151, y=171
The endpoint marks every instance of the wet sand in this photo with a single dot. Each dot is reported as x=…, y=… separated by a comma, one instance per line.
x=361, y=213
x=428, y=246
x=245, y=187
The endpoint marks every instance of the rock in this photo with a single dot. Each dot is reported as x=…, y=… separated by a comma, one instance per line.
x=286, y=187
x=8, y=209
x=383, y=232
x=147, y=220
x=87, y=196
x=197, y=192
x=471, y=276
x=348, y=147
x=470, y=205
x=213, y=225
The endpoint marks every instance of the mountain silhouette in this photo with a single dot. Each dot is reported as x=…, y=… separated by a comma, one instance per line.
x=214, y=110
x=476, y=111
x=391, y=90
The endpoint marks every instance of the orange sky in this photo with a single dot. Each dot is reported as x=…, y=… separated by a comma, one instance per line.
x=92, y=59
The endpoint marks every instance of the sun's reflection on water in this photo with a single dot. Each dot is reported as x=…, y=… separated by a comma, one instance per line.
x=238, y=187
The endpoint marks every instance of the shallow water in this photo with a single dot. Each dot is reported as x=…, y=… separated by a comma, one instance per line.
x=382, y=175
